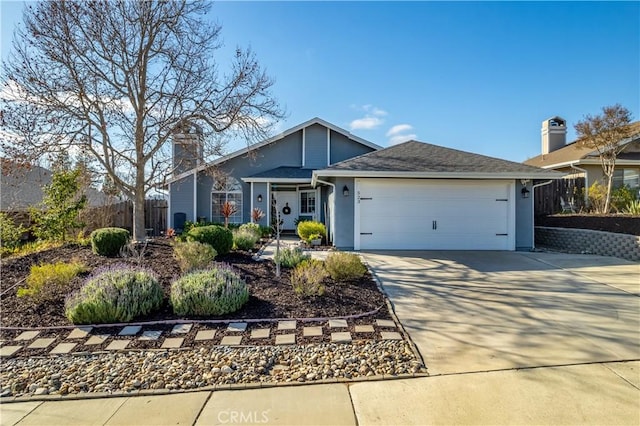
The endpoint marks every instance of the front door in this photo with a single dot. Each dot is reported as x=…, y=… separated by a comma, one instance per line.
x=287, y=205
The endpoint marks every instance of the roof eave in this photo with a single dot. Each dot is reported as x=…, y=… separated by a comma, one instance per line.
x=437, y=175
x=275, y=180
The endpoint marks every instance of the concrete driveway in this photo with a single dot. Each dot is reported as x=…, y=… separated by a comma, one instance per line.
x=482, y=311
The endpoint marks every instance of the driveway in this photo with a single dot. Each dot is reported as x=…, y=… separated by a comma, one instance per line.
x=484, y=311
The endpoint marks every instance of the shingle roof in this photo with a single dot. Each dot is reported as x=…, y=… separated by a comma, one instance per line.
x=422, y=157
x=573, y=152
x=285, y=173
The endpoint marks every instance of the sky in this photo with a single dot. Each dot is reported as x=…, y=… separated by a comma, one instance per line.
x=475, y=76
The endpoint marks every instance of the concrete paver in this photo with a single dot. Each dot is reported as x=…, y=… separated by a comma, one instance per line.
x=63, y=348
x=97, y=339
x=181, y=328
x=205, y=335
x=341, y=337
x=364, y=329
x=390, y=335
x=338, y=323
x=172, y=343
x=298, y=405
x=79, y=333
x=10, y=350
x=118, y=345
x=130, y=330
x=27, y=335
x=583, y=394
x=42, y=343
x=237, y=327
x=286, y=325
x=150, y=335
x=260, y=333
x=231, y=340
x=312, y=331
x=10, y=414
x=160, y=410
x=82, y=412
x=385, y=323
x=286, y=339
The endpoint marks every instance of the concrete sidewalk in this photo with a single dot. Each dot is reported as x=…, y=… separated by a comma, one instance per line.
x=558, y=395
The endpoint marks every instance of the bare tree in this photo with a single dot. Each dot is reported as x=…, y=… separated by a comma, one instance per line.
x=606, y=133
x=115, y=79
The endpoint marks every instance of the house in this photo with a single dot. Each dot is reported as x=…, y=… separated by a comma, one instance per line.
x=408, y=196
x=579, y=161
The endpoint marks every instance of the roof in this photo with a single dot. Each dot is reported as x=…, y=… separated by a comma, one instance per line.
x=419, y=159
x=281, y=174
x=243, y=151
x=574, y=153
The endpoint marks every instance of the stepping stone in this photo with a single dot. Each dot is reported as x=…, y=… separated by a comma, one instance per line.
x=205, y=335
x=286, y=339
x=385, y=323
x=312, y=331
x=238, y=327
x=150, y=335
x=63, y=348
x=181, y=328
x=286, y=325
x=260, y=333
x=231, y=340
x=7, y=351
x=338, y=323
x=130, y=330
x=27, y=335
x=341, y=337
x=97, y=339
x=364, y=329
x=172, y=343
x=79, y=333
x=118, y=345
x=41, y=343
x=390, y=335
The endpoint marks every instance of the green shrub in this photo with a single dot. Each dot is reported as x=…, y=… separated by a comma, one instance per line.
x=10, y=234
x=291, y=257
x=265, y=231
x=216, y=291
x=48, y=274
x=308, y=228
x=118, y=293
x=254, y=228
x=633, y=208
x=109, y=241
x=193, y=255
x=244, y=239
x=344, y=266
x=220, y=238
x=307, y=278
x=621, y=197
x=597, y=197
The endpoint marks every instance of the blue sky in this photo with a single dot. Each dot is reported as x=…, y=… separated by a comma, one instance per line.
x=477, y=76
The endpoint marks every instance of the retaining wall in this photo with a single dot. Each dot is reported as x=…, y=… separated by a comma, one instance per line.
x=587, y=241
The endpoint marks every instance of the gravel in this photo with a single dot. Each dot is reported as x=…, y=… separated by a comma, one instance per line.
x=196, y=368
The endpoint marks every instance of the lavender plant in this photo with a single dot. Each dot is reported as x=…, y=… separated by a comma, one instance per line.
x=216, y=291
x=116, y=293
x=344, y=266
x=244, y=239
x=307, y=278
x=291, y=257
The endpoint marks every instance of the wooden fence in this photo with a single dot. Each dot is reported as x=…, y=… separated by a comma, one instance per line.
x=548, y=198
x=120, y=214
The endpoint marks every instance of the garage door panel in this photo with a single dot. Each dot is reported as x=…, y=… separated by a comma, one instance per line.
x=434, y=214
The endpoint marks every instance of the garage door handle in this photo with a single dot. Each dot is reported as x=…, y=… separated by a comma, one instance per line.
x=501, y=235
x=366, y=233
x=434, y=224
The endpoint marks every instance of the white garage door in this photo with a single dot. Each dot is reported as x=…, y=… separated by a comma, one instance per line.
x=415, y=214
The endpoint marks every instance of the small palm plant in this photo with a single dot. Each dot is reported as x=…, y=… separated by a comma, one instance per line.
x=228, y=209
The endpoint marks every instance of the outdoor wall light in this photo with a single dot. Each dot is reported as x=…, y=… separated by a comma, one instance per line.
x=525, y=192
x=259, y=198
x=345, y=191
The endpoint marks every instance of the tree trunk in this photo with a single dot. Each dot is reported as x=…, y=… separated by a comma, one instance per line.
x=607, y=201
x=139, y=233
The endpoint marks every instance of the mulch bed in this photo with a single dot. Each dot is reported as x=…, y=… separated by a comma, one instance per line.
x=621, y=224
x=270, y=297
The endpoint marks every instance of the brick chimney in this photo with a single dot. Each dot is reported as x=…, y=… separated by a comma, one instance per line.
x=554, y=134
x=187, y=147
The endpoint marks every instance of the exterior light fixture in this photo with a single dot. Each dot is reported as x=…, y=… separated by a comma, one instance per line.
x=525, y=192
x=259, y=198
x=345, y=191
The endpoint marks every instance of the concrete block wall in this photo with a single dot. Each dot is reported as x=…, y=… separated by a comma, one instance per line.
x=587, y=241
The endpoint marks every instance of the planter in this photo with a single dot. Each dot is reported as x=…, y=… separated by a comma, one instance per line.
x=316, y=242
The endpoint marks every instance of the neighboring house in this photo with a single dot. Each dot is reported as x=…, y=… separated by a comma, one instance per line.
x=408, y=196
x=21, y=187
x=579, y=161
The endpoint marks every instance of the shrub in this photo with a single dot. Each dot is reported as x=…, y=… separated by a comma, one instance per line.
x=118, y=293
x=291, y=257
x=193, y=255
x=307, y=278
x=244, y=239
x=621, y=197
x=10, y=234
x=60, y=273
x=216, y=291
x=597, y=197
x=344, y=266
x=265, y=231
x=220, y=238
x=109, y=241
x=254, y=228
x=633, y=208
x=308, y=228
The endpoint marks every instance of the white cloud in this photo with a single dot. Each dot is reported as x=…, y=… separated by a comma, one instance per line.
x=398, y=129
x=366, y=123
x=401, y=138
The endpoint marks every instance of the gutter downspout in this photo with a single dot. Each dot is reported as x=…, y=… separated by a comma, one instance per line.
x=586, y=181
x=332, y=185
x=533, y=212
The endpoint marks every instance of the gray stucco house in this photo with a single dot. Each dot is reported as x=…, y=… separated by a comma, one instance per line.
x=408, y=196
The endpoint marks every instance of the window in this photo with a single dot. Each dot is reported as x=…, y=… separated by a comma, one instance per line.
x=226, y=189
x=307, y=202
x=628, y=177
